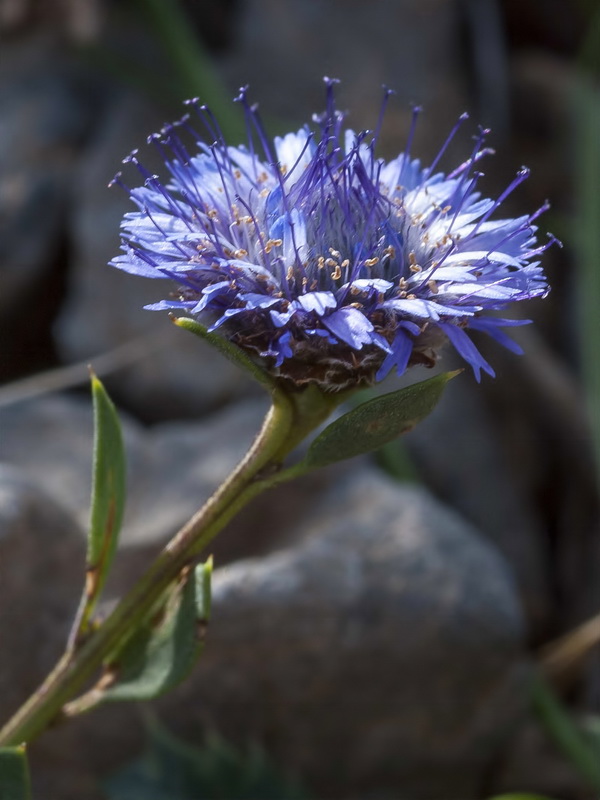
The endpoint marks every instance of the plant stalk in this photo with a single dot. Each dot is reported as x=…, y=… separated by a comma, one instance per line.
x=78, y=665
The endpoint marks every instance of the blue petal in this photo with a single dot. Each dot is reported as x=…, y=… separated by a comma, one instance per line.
x=254, y=300
x=402, y=347
x=491, y=327
x=165, y=305
x=349, y=325
x=317, y=301
x=281, y=318
x=465, y=348
x=135, y=265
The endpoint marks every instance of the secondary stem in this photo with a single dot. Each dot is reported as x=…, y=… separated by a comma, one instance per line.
x=77, y=667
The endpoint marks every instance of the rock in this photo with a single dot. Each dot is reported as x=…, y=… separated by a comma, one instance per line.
x=104, y=308
x=42, y=570
x=533, y=764
x=172, y=470
x=381, y=657
x=413, y=48
x=46, y=110
x=42, y=567
x=549, y=447
x=392, y=629
x=457, y=452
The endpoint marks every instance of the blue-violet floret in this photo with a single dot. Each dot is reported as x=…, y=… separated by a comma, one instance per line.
x=327, y=264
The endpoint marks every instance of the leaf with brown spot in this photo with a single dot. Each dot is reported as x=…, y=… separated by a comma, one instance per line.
x=376, y=422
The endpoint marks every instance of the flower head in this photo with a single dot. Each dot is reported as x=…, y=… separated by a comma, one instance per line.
x=322, y=261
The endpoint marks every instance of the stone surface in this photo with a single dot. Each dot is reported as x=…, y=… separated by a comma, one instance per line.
x=532, y=764
x=413, y=48
x=46, y=110
x=458, y=454
x=42, y=562
x=41, y=576
x=380, y=657
x=389, y=640
x=172, y=469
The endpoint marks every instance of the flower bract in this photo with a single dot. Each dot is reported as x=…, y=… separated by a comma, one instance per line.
x=323, y=262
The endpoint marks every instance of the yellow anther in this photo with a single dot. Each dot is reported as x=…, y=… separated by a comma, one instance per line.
x=271, y=243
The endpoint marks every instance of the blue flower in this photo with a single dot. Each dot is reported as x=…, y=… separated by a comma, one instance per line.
x=324, y=263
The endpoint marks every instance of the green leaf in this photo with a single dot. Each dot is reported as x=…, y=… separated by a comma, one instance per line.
x=573, y=743
x=108, y=482
x=174, y=769
x=162, y=652
x=376, y=422
x=231, y=351
x=520, y=796
x=14, y=774
x=108, y=503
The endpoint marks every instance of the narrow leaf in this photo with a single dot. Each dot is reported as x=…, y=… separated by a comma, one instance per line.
x=108, y=485
x=567, y=736
x=520, y=796
x=376, y=422
x=14, y=774
x=231, y=351
x=164, y=650
x=107, y=505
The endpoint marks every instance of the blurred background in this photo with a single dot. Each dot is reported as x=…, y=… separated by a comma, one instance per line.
x=382, y=645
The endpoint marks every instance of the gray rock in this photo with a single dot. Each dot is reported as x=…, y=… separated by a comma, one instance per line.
x=392, y=629
x=381, y=657
x=42, y=567
x=172, y=470
x=532, y=764
x=46, y=113
x=413, y=48
x=42, y=571
x=104, y=307
x=458, y=454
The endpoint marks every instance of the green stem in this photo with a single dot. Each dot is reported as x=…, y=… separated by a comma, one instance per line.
x=565, y=734
x=78, y=666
